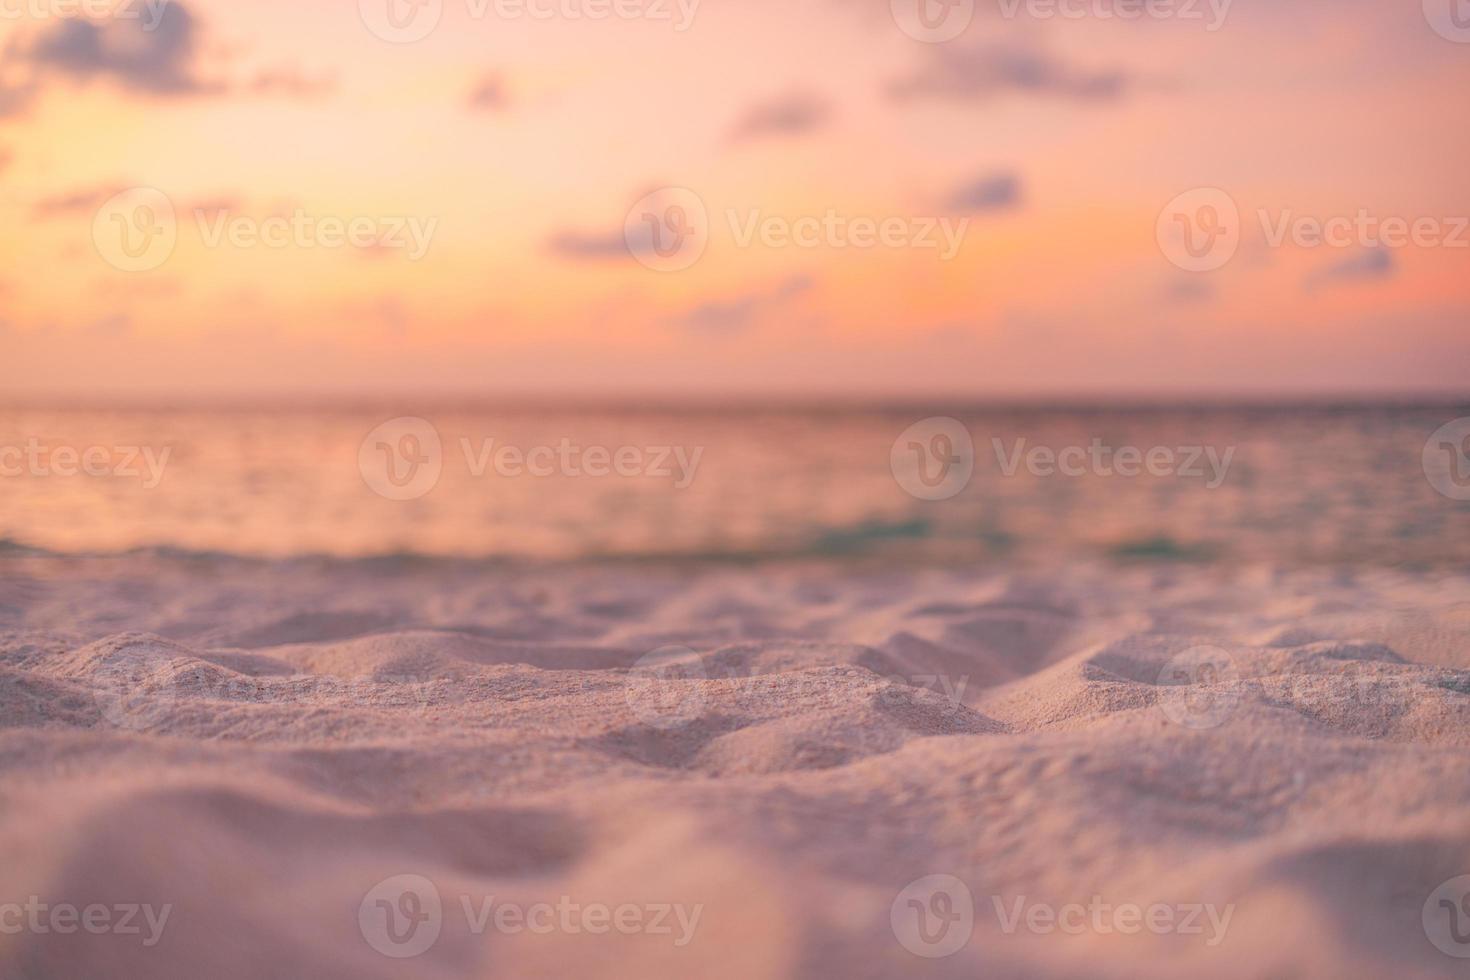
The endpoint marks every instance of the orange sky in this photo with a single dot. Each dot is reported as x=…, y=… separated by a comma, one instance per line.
x=517, y=145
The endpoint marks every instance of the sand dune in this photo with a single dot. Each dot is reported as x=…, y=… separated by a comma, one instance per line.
x=293, y=758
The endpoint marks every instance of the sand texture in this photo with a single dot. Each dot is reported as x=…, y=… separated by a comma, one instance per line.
x=778, y=756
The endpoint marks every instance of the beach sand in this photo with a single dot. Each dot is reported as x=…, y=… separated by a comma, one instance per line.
x=317, y=767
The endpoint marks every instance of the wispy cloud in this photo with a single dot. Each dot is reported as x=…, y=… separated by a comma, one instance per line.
x=80, y=200
x=577, y=245
x=790, y=115
x=489, y=94
x=291, y=81
x=993, y=192
x=980, y=72
x=742, y=312
x=1367, y=265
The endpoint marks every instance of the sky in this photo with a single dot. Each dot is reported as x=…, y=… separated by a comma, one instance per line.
x=807, y=198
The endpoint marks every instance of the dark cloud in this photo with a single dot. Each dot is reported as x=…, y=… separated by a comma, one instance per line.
x=979, y=72
x=157, y=62
x=730, y=316
x=994, y=192
x=790, y=115
x=488, y=95
x=1370, y=264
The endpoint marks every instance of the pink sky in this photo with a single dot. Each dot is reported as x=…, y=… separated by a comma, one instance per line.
x=517, y=145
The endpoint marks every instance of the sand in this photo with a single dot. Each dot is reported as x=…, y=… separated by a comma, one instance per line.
x=639, y=770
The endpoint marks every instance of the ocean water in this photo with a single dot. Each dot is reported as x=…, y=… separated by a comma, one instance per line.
x=1296, y=485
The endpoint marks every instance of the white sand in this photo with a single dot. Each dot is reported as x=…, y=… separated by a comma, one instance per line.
x=257, y=746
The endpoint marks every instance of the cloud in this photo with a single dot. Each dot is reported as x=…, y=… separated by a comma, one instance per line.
x=995, y=192
x=731, y=316
x=790, y=115
x=576, y=245
x=489, y=94
x=980, y=72
x=1189, y=291
x=79, y=201
x=291, y=81
x=156, y=62
x=6, y=159
x=15, y=99
x=1368, y=265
